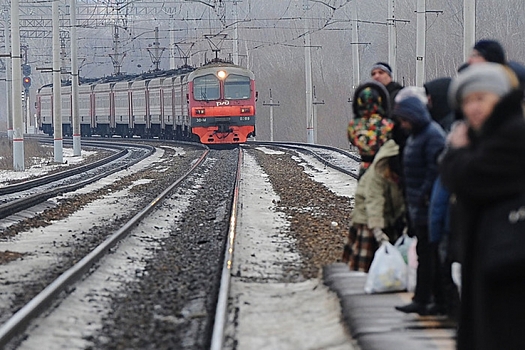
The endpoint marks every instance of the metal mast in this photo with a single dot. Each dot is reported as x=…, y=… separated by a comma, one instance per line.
x=392, y=39
x=57, y=98
x=310, y=127
x=420, y=42
x=77, y=149
x=18, y=128
x=469, y=27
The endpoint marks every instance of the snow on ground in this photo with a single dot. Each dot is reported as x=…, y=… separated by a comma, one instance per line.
x=43, y=167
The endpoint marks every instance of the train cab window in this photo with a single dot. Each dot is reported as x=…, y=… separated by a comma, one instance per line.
x=206, y=88
x=237, y=87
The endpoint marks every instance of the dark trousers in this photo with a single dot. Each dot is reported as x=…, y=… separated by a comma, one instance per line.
x=428, y=281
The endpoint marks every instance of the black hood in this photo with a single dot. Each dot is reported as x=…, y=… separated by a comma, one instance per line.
x=438, y=91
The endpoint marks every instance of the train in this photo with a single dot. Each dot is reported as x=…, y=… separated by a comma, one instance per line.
x=211, y=104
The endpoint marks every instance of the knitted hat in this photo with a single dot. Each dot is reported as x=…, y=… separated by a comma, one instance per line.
x=490, y=77
x=491, y=51
x=385, y=67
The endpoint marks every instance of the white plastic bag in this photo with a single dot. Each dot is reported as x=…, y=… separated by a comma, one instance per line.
x=388, y=272
x=402, y=244
x=412, y=266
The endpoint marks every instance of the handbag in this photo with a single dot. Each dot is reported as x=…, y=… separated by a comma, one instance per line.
x=502, y=239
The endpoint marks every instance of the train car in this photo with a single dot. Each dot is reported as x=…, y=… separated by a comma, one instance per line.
x=221, y=102
x=44, y=111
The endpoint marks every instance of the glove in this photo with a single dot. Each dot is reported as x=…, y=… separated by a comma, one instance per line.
x=380, y=236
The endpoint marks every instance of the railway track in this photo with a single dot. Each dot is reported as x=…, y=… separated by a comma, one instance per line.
x=16, y=324
x=336, y=158
x=23, y=195
x=170, y=295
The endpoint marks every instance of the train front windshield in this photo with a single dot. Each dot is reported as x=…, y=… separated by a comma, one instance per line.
x=206, y=88
x=237, y=87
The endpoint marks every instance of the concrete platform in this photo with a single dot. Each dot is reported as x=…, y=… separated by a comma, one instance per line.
x=375, y=324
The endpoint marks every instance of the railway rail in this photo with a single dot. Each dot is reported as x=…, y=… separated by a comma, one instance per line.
x=20, y=320
x=21, y=196
x=336, y=158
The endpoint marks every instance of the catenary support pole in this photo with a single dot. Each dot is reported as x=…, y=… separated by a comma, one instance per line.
x=315, y=104
x=8, y=76
x=420, y=42
x=392, y=38
x=355, y=47
x=469, y=27
x=271, y=104
x=235, y=33
x=57, y=100
x=310, y=127
x=77, y=147
x=18, y=117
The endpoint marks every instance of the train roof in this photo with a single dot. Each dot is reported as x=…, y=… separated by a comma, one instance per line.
x=130, y=77
x=217, y=65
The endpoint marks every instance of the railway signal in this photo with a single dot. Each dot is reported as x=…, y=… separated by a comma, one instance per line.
x=26, y=82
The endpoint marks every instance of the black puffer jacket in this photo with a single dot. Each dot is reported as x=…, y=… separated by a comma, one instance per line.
x=423, y=146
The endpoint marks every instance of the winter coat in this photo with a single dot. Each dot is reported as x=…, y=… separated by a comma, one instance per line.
x=439, y=218
x=379, y=200
x=483, y=174
x=423, y=146
x=393, y=88
x=370, y=130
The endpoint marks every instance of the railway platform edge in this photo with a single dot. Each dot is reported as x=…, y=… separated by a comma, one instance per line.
x=376, y=325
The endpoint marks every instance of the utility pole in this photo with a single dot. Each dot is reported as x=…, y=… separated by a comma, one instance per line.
x=57, y=98
x=355, y=47
x=77, y=148
x=8, y=75
x=315, y=104
x=235, y=33
x=157, y=54
x=172, y=43
x=420, y=41
x=310, y=127
x=18, y=129
x=469, y=27
x=392, y=38
x=271, y=104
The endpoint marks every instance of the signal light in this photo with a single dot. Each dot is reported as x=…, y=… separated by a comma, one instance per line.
x=26, y=82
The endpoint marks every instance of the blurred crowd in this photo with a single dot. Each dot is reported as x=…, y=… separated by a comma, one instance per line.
x=445, y=163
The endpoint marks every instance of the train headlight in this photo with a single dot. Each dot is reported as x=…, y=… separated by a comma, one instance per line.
x=221, y=74
x=245, y=110
x=199, y=111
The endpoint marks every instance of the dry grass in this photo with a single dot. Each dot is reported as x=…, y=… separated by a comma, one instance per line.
x=34, y=152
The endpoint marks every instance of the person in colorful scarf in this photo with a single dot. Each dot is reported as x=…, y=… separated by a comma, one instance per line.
x=371, y=126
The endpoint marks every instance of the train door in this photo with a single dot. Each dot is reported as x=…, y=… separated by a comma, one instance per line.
x=154, y=104
x=138, y=99
x=84, y=109
x=121, y=97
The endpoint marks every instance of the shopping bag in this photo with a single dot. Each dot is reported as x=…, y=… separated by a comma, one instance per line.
x=402, y=244
x=388, y=272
